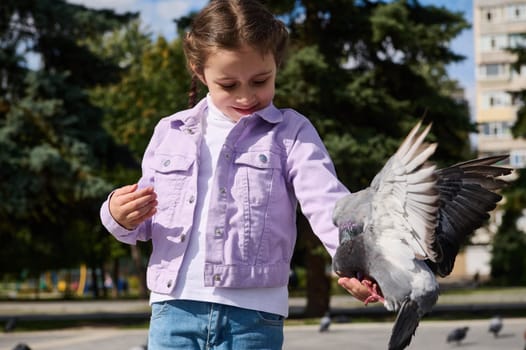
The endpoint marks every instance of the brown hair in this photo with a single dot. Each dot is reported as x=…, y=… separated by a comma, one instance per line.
x=230, y=24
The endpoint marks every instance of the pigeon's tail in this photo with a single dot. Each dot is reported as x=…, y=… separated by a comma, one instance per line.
x=405, y=325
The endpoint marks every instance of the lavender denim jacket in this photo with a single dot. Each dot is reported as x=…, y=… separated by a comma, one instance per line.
x=270, y=161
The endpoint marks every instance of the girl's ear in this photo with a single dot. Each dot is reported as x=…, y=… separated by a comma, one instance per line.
x=198, y=74
x=202, y=78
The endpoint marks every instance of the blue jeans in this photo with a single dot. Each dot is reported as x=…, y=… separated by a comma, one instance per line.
x=186, y=324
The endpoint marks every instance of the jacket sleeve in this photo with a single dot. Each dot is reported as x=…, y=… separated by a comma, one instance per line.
x=316, y=185
x=143, y=231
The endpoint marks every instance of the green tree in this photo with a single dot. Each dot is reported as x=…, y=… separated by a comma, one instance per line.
x=508, y=263
x=54, y=149
x=365, y=72
x=156, y=84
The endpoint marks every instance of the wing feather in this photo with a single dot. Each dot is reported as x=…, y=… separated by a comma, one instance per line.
x=466, y=197
x=406, y=195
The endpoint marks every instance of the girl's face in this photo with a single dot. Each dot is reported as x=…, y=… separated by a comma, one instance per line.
x=240, y=82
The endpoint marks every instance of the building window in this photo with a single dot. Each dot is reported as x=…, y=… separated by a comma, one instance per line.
x=496, y=42
x=493, y=71
x=516, y=12
x=496, y=99
x=492, y=14
x=518, y=158
x=497, y=129
x=488, y=16
x=517, y=40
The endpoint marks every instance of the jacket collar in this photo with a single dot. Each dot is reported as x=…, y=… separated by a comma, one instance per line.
x=191, y=117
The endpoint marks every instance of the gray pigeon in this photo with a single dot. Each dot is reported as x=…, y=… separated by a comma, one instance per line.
x=21, y=346
x=10, y=325
x=409, y=224
x=495, y=326
x=457, y=335
x=325, y=322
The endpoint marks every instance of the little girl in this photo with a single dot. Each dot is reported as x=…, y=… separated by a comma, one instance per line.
x=219, y=189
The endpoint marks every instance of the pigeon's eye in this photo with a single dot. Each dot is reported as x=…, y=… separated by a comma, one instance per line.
x=345, y=234
x=349, y=230
x=356, y=228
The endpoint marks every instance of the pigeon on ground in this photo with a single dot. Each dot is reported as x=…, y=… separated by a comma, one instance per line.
x=10, y=325
x=495, y=326
x=457, y=335
x=409, y=224
x=21, y=346
x=325, y=322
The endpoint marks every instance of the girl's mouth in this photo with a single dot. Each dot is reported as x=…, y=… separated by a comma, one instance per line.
x=246, y=111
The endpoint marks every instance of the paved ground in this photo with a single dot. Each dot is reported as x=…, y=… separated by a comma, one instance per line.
x=431, y=335
x=508, y=296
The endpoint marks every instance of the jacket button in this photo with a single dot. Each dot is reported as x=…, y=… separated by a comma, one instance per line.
x=263, y=158
x=166, y=162
x=169, y=284
x=222, y=190
x=217, y=278
x=183, y=238
x=218, y=232
x=191, y=199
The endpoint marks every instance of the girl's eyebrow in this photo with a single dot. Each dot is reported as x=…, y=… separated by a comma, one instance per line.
x=265, y=72
x=261, y=74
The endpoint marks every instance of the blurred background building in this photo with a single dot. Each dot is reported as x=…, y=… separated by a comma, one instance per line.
x=498, y=25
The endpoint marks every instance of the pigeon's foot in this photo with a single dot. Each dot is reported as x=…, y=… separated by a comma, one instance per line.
x=373, y=289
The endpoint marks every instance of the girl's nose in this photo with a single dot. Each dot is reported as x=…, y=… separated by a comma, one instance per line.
x=246, y=96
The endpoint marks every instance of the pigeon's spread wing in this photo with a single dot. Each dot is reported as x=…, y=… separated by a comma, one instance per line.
x=466, y=197
x=406, y=195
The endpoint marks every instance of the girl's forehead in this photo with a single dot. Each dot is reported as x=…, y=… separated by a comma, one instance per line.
x=236, y=58
x=241, y=51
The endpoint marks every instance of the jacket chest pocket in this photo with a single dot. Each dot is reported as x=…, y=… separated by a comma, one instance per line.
x=258, y=176
x=171, y=175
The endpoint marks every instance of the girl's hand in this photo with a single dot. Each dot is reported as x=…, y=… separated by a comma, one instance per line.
x=359, y=289
x=130, y=207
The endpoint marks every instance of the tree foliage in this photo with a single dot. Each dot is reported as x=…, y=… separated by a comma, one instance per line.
x=508, y=263
x=155, y=85
x=365, y=72
x=54, y=149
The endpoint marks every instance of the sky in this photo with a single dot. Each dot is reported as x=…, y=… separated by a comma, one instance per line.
x=158, y=15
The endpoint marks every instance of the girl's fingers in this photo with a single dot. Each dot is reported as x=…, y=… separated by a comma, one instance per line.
x=130, y=193
x=141, y=211
x=355, y=287
x=130, y=206
x=138, y=202
x=125, y=190
x=144, y=216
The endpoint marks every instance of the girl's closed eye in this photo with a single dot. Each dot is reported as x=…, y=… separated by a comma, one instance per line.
x=260, y=82
x=227, y=86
